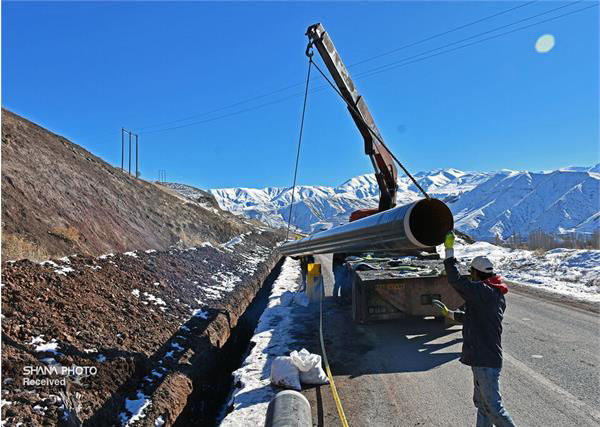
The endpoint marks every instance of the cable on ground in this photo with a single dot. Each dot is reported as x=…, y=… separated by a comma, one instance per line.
x=338, y=402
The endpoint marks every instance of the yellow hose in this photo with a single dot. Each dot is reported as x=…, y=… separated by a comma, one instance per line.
x=338, y=403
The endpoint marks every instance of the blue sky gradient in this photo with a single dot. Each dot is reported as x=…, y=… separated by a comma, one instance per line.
x=84, y=70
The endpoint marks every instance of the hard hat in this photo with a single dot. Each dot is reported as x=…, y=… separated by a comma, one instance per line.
x=483, y=264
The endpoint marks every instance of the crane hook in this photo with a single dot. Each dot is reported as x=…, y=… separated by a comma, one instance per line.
x=309, y=49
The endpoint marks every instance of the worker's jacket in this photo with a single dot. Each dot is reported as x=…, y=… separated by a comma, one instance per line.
x=482, y=319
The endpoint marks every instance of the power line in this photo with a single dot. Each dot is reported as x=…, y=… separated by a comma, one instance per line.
x=283, y=89
x=460, y=27
x=390, y=65
x=477, y=41
x=277, y=101
x=395, y=64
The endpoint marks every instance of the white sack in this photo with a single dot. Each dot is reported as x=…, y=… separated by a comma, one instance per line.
x=284, y=373
x=309, y=366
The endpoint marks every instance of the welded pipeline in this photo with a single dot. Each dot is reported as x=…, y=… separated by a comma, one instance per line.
x=418, y=225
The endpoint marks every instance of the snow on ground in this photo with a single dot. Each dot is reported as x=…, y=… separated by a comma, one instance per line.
x=136, y=408
x=573, y=272
x=271, y=338
x=236, y=240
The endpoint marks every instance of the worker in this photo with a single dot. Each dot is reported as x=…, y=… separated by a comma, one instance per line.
x=304, y=261
x=482, y=331
x=339, y=274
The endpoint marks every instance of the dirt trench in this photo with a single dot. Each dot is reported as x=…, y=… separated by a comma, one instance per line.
x=155, y=325
x=207, y=404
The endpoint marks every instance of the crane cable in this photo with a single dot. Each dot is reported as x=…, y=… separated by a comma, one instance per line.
x=359, y=116
x=310, y=62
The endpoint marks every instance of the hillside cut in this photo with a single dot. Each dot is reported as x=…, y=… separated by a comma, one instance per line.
x=60, y=199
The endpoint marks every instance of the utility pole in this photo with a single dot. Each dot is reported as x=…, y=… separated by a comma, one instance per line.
x=162, y=175
x=122, y=147
x=129, y=153
x=136, y=156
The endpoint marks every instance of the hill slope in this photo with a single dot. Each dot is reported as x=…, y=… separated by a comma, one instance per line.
x=58, y=198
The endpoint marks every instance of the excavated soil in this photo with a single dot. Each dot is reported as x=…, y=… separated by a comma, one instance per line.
x=150, y=323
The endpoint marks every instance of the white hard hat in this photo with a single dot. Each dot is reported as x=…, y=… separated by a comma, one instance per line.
x=483, y=264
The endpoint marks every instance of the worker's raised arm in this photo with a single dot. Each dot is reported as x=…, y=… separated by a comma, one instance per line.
x=466, y=288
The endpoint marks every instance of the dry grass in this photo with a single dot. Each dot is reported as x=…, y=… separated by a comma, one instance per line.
x=69, y=234
x=15, y=247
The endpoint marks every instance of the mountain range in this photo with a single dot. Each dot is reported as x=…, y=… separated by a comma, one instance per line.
x=484, y=204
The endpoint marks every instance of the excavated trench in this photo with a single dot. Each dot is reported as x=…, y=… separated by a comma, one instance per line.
x=211, y=390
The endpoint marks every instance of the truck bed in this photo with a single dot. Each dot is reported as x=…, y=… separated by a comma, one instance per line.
x=387, y=288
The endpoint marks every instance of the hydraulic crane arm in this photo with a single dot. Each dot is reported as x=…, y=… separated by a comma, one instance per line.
x=383, y=163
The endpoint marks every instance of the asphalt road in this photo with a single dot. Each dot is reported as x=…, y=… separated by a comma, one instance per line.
x=407, y=373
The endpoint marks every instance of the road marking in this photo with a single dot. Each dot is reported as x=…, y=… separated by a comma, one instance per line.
x=549, y=385
x=537, y=356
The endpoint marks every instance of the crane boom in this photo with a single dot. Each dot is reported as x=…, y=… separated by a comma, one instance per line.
x=383, y=163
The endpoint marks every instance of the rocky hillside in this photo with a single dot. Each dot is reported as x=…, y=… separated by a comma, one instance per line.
x=59, y=199
x=121, y=338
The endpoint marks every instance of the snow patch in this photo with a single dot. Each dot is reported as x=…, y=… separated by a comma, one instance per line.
x=136, y=408
x=200, y=313
x=573, y=272
x=271, y=338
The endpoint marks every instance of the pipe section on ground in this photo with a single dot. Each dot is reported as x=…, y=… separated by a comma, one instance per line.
x=419, y=225
x=289, y=408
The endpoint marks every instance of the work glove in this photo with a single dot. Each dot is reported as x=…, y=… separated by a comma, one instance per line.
x=449, y=245
x=441, y=306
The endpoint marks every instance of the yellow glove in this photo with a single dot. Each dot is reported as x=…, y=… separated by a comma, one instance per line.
x=442, y=307
x=449, y=245
x=449, y=242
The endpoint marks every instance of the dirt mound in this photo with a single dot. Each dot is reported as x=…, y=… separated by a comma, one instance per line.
x=58, y=199
x=147, y=323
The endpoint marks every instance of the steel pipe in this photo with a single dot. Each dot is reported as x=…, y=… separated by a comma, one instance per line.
x=419, y=225
x=289, y=408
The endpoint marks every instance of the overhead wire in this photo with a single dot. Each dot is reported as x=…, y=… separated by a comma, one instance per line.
x=398, y=65
x=443, y=33
x=390, y=65
x=283, y=89
x=403, y=62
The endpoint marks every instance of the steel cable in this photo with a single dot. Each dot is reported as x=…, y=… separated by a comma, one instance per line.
x=298, y=152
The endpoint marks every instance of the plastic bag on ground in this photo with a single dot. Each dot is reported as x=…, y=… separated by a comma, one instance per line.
x=285, y=374
x=309, y=366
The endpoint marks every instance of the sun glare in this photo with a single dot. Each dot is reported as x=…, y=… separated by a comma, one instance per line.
x=545, y=43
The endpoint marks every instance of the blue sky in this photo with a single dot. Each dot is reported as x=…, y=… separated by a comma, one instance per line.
x=84, y=70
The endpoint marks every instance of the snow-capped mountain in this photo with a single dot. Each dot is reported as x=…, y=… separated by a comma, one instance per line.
x=485, y=204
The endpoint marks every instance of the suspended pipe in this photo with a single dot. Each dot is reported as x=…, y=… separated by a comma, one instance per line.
x=418, y=225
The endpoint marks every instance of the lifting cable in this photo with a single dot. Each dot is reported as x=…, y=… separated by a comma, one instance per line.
x=359, y=116
x=310, y=62
x=338, y=403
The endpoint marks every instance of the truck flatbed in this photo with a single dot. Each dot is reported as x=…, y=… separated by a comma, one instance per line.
x=387, y=288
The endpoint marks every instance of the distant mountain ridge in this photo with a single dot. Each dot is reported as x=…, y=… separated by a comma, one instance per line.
x=485, y=204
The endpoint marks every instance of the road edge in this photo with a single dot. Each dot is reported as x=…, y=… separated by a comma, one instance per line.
x=555, y=297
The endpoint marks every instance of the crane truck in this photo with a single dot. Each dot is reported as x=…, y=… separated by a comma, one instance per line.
x=399, y=284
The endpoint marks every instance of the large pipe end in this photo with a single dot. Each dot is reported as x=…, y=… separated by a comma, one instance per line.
x=427, y=222
x=289, y=408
